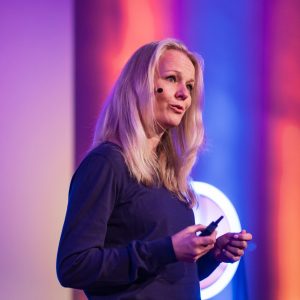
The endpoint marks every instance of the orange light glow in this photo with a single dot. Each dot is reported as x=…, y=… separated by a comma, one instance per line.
x=142, y=22
x=285, y=149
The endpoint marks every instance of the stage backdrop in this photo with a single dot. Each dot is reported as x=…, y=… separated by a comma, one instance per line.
x=36, y=147
x=58, y=61
x=252, y=112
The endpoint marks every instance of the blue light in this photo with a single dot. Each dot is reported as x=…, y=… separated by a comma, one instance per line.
x=212, y=204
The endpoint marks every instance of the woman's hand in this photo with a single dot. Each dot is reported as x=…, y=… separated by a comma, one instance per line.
x=230, y=247
x=189, y=247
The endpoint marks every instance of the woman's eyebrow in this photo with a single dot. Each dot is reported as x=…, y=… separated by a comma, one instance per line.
x=178, y=73
x=191, y=81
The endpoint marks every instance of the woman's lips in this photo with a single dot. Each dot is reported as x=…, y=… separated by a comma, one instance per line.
x=177, y=108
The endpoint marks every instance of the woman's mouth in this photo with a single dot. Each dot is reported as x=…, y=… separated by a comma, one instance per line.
x=177, y=108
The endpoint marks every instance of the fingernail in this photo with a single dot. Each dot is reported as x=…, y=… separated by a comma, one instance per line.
x=236, y=236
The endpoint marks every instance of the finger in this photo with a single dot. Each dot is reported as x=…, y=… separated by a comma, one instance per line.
x=214, y=234
x=202, y=252
x=196, y=253
x=205, y=241
x=238, y=244
x=235, y=251
x=242, y=236
x=229, y=257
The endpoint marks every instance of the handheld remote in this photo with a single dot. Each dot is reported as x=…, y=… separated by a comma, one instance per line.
x=211, y=227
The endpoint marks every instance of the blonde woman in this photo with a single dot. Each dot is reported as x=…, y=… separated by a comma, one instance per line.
x=129, y=231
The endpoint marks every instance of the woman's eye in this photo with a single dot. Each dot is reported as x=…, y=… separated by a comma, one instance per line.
x=190, y=87
x=171, y=78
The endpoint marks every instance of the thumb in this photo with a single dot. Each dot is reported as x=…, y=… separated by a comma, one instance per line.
x=197, y=227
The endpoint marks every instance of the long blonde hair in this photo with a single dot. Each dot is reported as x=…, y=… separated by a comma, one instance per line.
x=129, y=112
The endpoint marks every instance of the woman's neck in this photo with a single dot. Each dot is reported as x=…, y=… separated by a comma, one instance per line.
x=154, y=140
x=154, y=136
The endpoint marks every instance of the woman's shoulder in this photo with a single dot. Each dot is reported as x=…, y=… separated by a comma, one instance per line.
x=106, y=149
x=109, y=151
x=105, y=158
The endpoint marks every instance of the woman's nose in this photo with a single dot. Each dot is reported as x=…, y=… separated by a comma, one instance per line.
x=182, y=92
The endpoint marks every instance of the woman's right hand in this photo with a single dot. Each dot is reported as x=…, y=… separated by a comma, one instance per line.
x=189, y=247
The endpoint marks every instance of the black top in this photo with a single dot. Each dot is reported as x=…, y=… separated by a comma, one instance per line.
x=116, y=239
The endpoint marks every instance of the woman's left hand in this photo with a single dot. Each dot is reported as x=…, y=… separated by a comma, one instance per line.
x=230, y=247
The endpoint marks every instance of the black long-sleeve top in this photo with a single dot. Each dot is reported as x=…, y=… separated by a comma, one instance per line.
x=116, y=239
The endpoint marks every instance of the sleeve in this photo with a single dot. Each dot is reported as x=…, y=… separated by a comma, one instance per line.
x=206, y=265
x=82, y=260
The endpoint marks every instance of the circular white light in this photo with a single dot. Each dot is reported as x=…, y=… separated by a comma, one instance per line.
x=216, y=204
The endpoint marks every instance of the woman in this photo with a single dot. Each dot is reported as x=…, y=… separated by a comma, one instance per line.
x=129, y=231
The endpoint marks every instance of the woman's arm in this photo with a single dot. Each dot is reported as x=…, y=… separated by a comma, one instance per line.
x=82, y=260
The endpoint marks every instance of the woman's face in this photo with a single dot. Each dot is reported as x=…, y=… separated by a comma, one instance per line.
x=176, y=76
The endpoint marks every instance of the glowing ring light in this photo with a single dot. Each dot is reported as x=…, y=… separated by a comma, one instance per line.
x=228, y=211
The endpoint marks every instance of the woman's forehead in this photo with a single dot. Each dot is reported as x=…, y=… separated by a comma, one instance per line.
x=176, y=61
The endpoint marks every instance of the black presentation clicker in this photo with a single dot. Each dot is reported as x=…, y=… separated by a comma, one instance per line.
x=211, y=227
